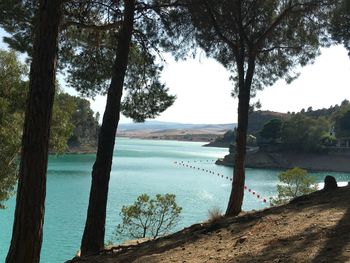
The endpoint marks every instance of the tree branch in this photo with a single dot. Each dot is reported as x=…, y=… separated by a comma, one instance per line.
x=278, y=47
x=217, y=27
x=91, y=26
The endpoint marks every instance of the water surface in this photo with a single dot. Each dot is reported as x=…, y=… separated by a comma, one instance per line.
x=139, y=166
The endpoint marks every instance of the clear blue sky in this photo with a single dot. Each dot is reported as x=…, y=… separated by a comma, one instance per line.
x=203, y=88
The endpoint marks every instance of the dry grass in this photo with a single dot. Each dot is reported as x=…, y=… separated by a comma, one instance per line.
x=214, y=214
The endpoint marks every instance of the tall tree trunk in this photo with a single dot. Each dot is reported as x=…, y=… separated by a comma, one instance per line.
x=30, y=203
x=236, y=197
x=94, y=232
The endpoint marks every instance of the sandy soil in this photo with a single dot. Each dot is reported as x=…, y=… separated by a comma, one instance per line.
x=313, y=228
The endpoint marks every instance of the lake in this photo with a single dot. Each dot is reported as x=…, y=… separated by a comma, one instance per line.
x=139, y=166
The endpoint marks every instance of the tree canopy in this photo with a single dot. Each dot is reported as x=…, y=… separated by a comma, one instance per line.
x=12, y=99
x=72, y=120
x=272, y=130
x=88, y=40
x=149, y=217
x=342, y=122
x=259, y=42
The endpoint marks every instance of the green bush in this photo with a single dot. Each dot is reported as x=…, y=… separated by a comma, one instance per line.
x=149, y=217
x=294, y=182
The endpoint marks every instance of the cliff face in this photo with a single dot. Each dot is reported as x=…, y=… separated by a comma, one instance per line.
x=308, y=161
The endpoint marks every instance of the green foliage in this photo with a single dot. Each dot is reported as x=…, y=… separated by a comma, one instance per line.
x=12, y=103
x=302, y=133
x=86, y=127
x=272, y=130
x=342, y=122
x=149, y=217
x=257, y=120
x=147, y=97
x=328, y=140
x=340, y=23
x=67, y=114
x=294, y=182
x=88, y=43
x=61, y=123
x=279, y=34
x=227, y=138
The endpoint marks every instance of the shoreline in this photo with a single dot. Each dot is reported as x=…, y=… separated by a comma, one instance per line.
x=307, y=161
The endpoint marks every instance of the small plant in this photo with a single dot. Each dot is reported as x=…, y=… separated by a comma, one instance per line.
x=149, y=217
x=295, y=182
x=214, y=214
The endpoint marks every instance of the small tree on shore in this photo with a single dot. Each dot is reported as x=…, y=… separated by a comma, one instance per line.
x=294, y=182
x=149, y=217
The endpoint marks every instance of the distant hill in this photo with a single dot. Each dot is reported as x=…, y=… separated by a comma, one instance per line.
x=194, y=132
x=256, y=122
x=174, y=131
x=162, y=125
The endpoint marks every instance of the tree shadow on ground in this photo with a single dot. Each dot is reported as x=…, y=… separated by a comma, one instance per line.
x=177, y=240
x=336, y=248
x=316, y=243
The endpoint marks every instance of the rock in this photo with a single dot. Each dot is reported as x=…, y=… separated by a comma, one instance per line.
x=330, y=183
x=241, y=240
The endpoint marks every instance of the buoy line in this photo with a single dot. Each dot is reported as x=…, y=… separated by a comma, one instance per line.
x=249, y=190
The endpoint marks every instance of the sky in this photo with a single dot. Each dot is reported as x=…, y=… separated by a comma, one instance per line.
x=203, y=89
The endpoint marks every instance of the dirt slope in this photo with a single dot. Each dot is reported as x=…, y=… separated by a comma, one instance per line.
x=313, y=228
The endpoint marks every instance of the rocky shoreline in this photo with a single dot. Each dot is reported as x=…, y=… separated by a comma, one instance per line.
x=287, y=160
x=86, y=149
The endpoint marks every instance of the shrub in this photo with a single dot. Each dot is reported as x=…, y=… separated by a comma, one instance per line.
x=295, y=182
x=149, y=217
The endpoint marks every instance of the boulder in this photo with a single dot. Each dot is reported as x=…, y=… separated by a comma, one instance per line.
x=330, y=183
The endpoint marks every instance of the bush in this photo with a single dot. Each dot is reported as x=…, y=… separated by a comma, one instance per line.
x=149, y=217
x=295, y=182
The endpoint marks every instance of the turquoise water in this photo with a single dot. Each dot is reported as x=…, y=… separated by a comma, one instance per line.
x=139, y=166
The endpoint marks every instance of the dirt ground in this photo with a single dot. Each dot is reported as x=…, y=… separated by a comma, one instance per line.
x=313, y=228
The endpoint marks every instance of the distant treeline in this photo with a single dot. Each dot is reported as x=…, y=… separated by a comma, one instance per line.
x=305, y=131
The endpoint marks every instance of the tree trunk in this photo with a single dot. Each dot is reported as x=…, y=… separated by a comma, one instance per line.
x=94, y=232
x=236, y=197
x=30, y=203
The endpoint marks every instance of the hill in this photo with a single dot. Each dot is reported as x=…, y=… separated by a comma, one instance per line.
x=312, y=228
x=173, y=130
x=256, y=122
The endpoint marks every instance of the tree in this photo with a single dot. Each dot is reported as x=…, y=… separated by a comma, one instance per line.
x=62, y=123
x=30, y=203
x=86, y=127
x=340, y=24
x=295, y=182
x=94, y=46
x=12, y=100
x=13, y=96
x=260, y=42
x=342, y=122
x=149, y=217
x=272, y=130
x=303, y=133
